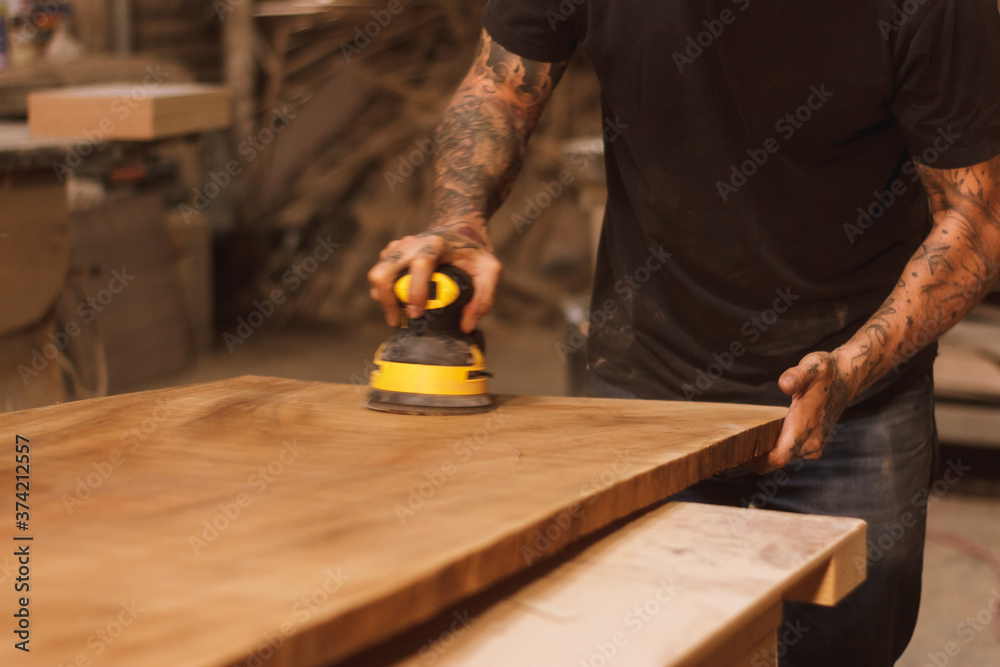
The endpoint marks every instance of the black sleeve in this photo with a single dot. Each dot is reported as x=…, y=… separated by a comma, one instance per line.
x=946, y=57
x=541, y=30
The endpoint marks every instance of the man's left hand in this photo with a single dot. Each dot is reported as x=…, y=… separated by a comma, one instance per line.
x=819, y=392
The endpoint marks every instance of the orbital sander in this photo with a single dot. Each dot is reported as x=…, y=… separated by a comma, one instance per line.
x=429, y=366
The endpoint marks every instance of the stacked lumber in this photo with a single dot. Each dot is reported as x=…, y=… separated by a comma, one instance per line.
x=17, y=83
x=128, y=112
x=354, y=163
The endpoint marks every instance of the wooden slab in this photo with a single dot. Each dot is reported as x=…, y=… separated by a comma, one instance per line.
x=128, y=112
x=684, y=586
x=255, y=518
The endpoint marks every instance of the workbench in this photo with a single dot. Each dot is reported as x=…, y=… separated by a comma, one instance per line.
x=266, y=521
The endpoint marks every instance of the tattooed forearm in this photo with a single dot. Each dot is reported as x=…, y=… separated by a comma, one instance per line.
x=482, y=137
x=933, y=257
x=956, y=266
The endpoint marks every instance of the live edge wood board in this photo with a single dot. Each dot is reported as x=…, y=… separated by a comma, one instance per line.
x=684, y=585
x=260, y=520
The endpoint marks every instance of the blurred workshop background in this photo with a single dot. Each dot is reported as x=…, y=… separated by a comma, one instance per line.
x=195, y=190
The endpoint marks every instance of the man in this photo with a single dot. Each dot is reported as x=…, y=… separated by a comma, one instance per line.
x=783, y=154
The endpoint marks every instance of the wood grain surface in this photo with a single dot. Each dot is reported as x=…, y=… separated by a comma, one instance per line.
x=685, y=585
x=260, y=519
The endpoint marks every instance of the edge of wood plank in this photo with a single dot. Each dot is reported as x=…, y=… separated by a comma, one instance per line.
x=830, y=574
x=490, y=561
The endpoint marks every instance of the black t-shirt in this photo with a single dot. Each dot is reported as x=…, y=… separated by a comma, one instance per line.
x=768, y=148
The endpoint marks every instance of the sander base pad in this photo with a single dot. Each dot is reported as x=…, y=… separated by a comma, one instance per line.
x=428, y=404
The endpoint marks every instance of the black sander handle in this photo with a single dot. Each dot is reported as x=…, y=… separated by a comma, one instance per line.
x=448, y=291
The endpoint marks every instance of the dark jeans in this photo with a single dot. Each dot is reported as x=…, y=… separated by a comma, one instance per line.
x=877, y=467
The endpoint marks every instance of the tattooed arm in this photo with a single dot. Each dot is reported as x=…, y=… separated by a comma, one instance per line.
x=956, y=265
x=480, y=145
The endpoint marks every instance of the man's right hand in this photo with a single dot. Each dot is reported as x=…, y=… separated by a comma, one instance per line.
x=466, y=248
x=479, y=148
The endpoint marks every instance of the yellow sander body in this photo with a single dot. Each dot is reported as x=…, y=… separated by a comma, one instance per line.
x=429, y=366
